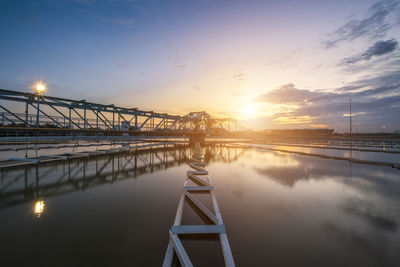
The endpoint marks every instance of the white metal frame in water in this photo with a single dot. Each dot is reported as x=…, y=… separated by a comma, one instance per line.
x=199, y=176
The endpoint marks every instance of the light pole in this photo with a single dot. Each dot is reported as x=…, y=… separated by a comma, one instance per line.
x=39, y=91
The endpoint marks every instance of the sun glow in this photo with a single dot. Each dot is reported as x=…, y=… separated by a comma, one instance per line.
x=248, y=112
x=249, y=109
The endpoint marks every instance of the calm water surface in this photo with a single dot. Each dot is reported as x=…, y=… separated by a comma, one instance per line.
x=279, y=209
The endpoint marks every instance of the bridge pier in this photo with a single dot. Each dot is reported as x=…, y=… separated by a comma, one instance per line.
x=197, y=137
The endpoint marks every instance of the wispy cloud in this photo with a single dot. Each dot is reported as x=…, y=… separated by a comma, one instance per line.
x=105, y=2
x=374, y=25
x=293, y=120
x=121, y=21
x=86, y=2
x=238, y=76
x=378, y=49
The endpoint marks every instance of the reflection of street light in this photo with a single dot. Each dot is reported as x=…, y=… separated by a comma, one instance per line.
x=38, y=208
x=40, y=87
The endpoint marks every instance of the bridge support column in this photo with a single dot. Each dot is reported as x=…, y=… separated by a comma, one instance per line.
x=197, y=137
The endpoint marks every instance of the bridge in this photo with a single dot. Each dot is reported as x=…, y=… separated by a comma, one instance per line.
x=62, y=116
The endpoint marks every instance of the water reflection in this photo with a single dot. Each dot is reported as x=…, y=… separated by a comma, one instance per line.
x=63, y=177
x=320, y=212
x=38, y=208
x=279, y=209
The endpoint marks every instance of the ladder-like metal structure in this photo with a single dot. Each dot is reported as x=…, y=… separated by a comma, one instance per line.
x=199, y=176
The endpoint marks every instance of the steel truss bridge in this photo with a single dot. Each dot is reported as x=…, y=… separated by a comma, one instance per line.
x=25, y=183
x=42, y=111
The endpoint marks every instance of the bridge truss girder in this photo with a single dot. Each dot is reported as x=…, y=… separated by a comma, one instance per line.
x=59, y=112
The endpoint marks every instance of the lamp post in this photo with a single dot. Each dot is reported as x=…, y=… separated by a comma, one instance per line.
x=39, y=90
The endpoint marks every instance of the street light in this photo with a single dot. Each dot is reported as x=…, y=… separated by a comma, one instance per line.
x=40, y=87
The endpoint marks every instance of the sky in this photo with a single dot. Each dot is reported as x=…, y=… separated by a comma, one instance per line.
x=269, y=64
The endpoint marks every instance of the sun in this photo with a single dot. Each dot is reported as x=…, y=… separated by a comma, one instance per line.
x=249, y=111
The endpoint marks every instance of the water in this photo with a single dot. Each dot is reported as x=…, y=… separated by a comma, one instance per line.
x=374, y=156
x=279, y=209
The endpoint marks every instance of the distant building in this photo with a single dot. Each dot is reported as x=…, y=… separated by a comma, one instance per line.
x=396, y=131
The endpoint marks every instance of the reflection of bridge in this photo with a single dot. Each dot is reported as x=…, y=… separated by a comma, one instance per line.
x=64, y=115
x=23, y=184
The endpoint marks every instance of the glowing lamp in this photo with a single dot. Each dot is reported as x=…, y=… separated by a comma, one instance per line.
x=40, y=87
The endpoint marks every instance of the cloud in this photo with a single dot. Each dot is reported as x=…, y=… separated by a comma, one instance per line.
x=374, y=25
x=376, y=101
x=377, y=49
x=378, y=86
x=84, y=1
x=109, y=2
x=177, y=61
x=380, y=48
x=238, y=76
x=287, y=94
x=121, y=21
x=293, y=120
x=354, y=114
